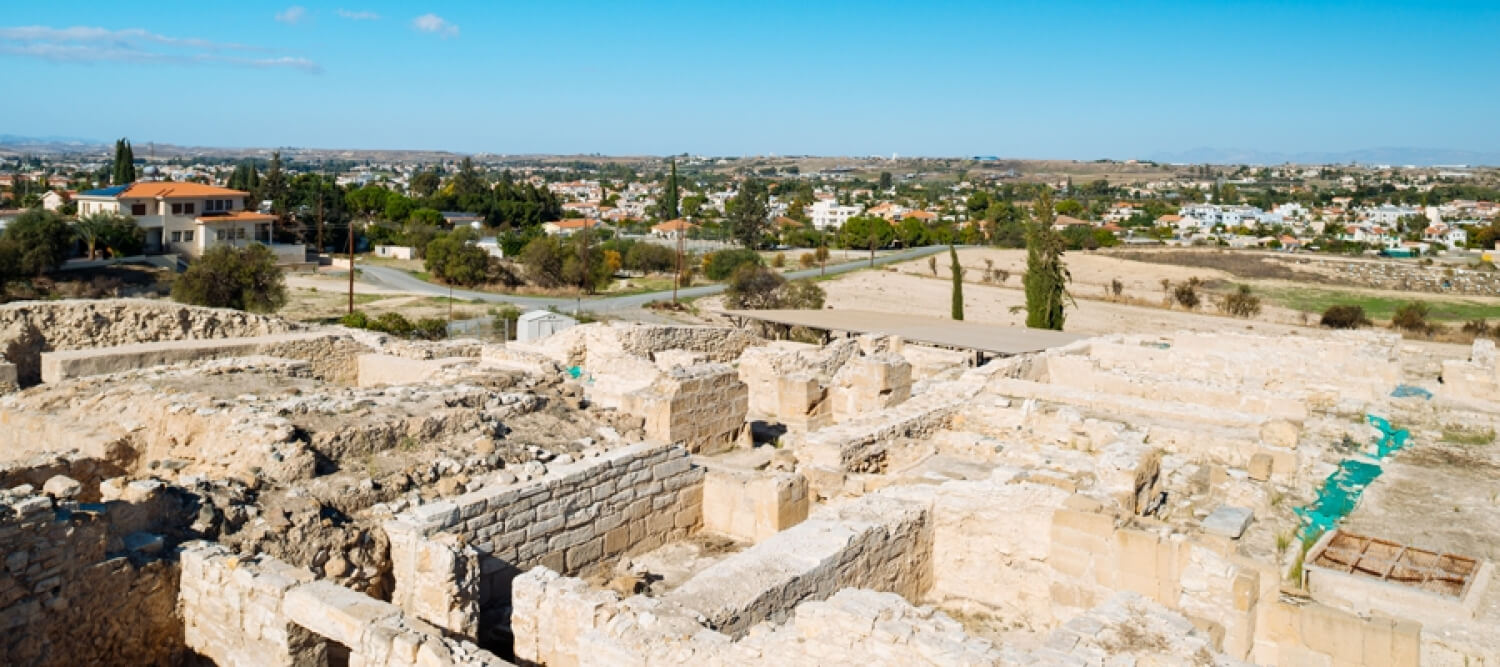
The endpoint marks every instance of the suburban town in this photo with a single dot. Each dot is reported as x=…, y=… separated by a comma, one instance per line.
x=567, y=395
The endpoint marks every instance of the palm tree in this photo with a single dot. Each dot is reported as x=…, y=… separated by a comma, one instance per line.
x=90, y=229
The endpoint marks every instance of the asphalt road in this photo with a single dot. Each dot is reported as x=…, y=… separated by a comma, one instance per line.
x=401, y=280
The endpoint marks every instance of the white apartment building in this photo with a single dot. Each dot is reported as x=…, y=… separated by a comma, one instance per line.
x=828, y=214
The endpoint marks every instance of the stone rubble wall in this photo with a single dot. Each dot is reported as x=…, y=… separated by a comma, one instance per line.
x=560, y=621
x=438, y=579
x=869, y=385
x=753, y=505
x=243, y=611
x=1361, y=364
x=29, y=328
x=860, y=445
x=67, y=596
x=331, y=355
x=700, y=407
x=882, y=541
x=573, y=519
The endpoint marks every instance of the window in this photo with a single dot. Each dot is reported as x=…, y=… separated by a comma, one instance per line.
x=187, y=236
x=177, y=237
x=188, y=208
x=137, y=209
x=240, y=233
x=176, y=209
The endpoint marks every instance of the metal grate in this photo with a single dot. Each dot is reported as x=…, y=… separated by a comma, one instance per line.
x=1444, y=574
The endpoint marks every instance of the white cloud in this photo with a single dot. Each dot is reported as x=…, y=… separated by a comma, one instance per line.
x=435, y=24
x=86, y=44
x=292, y=15
x=358, y=15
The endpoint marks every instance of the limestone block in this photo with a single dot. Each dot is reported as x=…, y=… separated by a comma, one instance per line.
x=1280, y=433
x=1228, y=521
x=62, y=487
x=1261, y=465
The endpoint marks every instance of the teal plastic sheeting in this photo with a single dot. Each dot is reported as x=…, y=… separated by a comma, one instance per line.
x=1407, y=391
x=1392, y=439
x=1342, y=489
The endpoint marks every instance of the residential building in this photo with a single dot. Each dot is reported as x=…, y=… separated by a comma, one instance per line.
x=568, y=227
x=829, y=214
x=185, y=218
x=672, y=229
x=56, y=199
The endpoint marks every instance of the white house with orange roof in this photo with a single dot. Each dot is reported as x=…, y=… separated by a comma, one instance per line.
x=184, y=218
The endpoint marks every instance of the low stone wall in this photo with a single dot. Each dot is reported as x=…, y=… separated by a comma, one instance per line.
x=753, y=505
x=1314, y=634
x=560, y=621
x=700, y=407
x=247, y=611
x=379, y=369
x=573, y=519
x=67, y=364
x=29, y=328
x=68, y=596
x=882, y=541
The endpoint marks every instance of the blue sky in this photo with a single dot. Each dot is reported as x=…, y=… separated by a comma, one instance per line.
x=1026, y=79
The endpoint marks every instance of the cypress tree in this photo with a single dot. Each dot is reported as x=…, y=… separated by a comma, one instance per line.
x=1047, y=277
x=127, y=168
x=117, y=171
x=958, y=283
x=669, y=210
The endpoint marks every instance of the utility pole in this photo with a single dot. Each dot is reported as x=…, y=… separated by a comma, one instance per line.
x=678, y=278
x=351, y=255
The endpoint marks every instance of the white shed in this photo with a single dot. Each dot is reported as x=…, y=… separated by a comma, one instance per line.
x=540, y=324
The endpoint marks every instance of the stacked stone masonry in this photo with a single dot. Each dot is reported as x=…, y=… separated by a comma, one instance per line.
x=243, y=611
x=575, y=518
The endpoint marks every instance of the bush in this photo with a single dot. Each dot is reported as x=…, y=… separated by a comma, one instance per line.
x=228, y=277
x=430, y=328
x=452, y=259
x=503, y=320
x=1480, y=328
x=778, y=260
x=1344, y=317
x=1186, y=294
x=1241, y=303
x=1116, y=287
x=355, y=320
x=806, y=260
x=395, y=324
x=39, y=241
x=759, y=288
x=1412, y=318
x=725, y=263
x=650, y=258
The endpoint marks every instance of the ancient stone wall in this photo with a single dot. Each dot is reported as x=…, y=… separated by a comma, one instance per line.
x=753, y=505
x=239, y=610
x=882, y=541
x=28, y=328
x=572, y=519
x=70, y=596
x=700, y=407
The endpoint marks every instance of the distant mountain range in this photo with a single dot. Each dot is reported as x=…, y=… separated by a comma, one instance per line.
x=1424, y=157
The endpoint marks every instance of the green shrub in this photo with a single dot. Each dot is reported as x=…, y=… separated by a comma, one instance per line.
x=355, y=320
x=395, y=324
x=430, y=328
x=228, y=277
x=1412, y=318
x=724, y=263
x=1241, y=303
x=1480, y=328
x=1344, y=317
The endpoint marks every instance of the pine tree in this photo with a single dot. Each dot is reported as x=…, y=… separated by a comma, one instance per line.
x=1047, y=277
x=958, y=283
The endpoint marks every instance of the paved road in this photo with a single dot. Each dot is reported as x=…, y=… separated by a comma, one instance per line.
x=401, y=280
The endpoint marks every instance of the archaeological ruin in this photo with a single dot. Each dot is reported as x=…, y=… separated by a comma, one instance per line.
x=183, y=486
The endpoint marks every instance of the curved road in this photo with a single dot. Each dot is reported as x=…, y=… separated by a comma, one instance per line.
x=401, y=280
